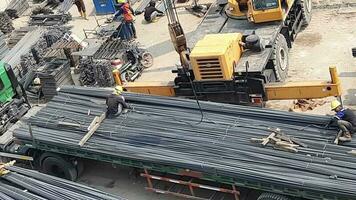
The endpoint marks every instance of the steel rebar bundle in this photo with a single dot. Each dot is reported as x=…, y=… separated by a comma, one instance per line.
x=5, y=23
x=24, y=184
x=173, y=132
x=16, y=8
x=96, y=73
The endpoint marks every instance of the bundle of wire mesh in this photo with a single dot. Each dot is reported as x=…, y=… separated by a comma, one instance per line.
x=24, y=184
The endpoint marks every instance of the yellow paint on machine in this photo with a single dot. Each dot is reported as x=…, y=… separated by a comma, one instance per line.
x=154, y=88
x=214, y=57
x=306, y=89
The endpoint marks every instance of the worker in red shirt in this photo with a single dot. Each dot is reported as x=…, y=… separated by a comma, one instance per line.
x=124, y=9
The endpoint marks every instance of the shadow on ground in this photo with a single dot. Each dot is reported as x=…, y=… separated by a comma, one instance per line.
x=350, y=97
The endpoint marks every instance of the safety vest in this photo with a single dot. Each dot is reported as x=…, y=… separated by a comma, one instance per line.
x=128, y=15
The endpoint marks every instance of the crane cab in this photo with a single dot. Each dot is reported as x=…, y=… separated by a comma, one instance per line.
x=259, y=11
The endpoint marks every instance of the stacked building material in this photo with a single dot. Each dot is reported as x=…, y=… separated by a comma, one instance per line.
x=22, y=48
x=58, y=49
x=214, y=139
x=16, y=8
x=52, y=75
x=3, y=46
x=110, y=50
x=49, y=20
x=35, y=55
x=17, y=183
x=65, y=6
x=96, y=73
x=18, y=34
x=5, y=23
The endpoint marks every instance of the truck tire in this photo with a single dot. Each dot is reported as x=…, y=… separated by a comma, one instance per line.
x=56, y=165
x=306, y=6
x=272, y=196
x=280, y=58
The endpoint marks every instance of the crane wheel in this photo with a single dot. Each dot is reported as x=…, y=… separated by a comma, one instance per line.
x=280, y=58
x=56, y=165
x=272, y=196
x=306, y=6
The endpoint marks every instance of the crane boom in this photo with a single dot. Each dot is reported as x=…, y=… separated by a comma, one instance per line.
x=176, y=32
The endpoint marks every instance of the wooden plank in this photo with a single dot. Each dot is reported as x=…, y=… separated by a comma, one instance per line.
x=266, y=140
x=92, y=129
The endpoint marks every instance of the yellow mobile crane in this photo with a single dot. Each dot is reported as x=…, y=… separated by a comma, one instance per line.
x=239, y=54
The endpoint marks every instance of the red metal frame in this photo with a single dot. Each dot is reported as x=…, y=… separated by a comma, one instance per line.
x=189, y=184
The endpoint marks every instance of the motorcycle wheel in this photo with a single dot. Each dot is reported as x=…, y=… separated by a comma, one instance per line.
x=146, y=60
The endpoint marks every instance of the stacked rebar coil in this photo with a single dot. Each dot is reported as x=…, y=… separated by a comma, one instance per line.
x=110, y=50
x=96, y=73
x=16, y=8
x=215, y=140
x=23, y=184
x=5, y=23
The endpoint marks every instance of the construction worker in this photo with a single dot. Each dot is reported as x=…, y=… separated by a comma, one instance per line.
x=151, y=12
x=115, y=103
x=81, y=8
x=124, y=8
x=345, y=120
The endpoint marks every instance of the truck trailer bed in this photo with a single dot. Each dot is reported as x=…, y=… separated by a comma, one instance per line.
x=168, y=135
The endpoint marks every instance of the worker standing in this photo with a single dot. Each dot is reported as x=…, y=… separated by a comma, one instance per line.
x=81, y=8
x=345, y=120
x=151, y=12
x=115, y=103
x=124, y=8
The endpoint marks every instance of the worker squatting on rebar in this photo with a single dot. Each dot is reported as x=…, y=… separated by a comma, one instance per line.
x=81, y=8
x=151, y=12
x=127, y=29
x=115, y=103
x=345, y=119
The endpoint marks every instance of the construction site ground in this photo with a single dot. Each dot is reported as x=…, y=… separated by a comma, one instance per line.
x=327, y=41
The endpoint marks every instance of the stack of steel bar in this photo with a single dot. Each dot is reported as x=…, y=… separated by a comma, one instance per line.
x=52, y=75
x=109, y=50
x=58, y=48
x=50, y=20
x=5, y=23
x=18, y=34
x=17, y=183
x=4, y=49
x=96, y=73
x=170, y=131
x=22, y=47
x=65, y=6
x=16, y=8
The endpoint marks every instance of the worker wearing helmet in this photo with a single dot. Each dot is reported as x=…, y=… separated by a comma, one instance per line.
x=346, y=120
x=115, y=103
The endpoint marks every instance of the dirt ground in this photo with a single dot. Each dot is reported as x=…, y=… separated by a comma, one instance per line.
x=327, y=41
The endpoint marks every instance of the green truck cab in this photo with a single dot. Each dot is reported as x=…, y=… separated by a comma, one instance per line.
x=13, y=99
x=6, y=87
